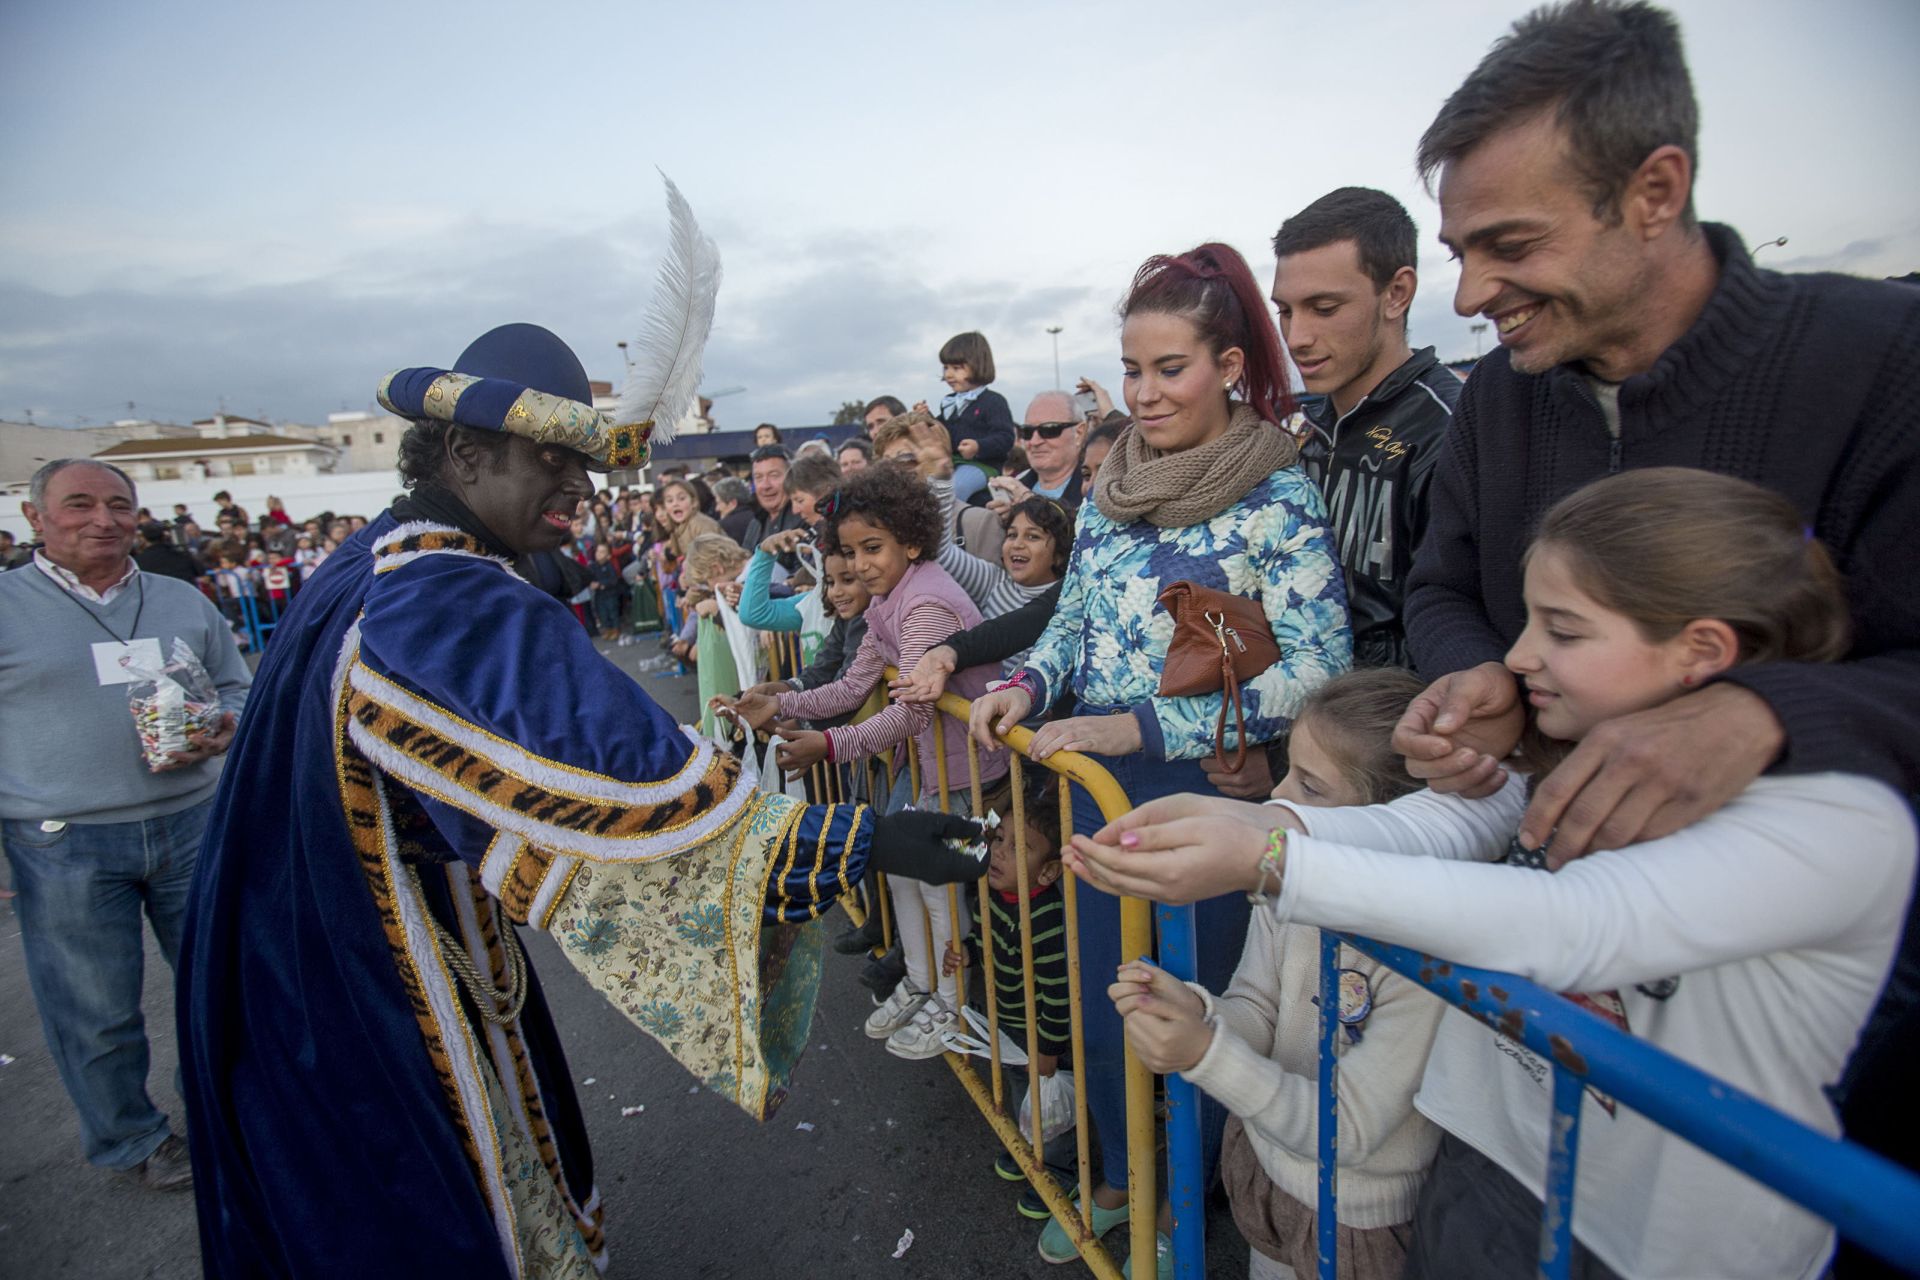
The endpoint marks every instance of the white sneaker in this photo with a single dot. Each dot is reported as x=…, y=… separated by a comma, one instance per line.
x=924, y=1036
x=893, y=1015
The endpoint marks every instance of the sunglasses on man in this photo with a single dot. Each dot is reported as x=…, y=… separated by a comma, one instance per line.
x=769, y=451
x=1045, y=430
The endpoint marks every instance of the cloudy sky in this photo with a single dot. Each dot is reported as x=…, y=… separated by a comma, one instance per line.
x=274, y=205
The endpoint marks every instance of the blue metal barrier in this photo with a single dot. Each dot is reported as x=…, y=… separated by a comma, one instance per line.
x=1867, y=1198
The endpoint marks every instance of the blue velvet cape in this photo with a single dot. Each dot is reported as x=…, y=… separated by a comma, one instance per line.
x=324, y=1143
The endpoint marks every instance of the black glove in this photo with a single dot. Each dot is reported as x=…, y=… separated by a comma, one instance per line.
x=913, y=843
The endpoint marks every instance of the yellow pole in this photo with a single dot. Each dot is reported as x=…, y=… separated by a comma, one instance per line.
x=1070, y=892
x=1136, y=939
x=954, y=918
x=988, y=963
x=1021, y=887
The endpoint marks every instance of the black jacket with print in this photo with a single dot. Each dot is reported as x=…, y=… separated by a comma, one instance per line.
x=1373, y=465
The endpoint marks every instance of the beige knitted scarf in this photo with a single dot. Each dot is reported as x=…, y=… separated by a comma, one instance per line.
x=1174, y=490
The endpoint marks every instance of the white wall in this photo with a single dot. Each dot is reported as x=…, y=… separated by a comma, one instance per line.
x=362, y=493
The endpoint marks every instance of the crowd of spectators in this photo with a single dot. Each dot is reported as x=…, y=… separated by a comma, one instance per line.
x=1658, y=752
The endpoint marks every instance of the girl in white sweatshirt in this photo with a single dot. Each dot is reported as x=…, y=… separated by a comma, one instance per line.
x=1752, y=944
x=1256, y=1046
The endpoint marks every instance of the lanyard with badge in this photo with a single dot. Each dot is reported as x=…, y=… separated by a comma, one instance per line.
x=112, y=661
x=116, y=662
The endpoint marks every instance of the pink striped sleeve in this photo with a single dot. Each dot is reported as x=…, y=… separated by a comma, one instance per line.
x=838, y=697
x=924, y=626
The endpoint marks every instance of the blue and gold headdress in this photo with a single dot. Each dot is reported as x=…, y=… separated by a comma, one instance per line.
x=524, y=379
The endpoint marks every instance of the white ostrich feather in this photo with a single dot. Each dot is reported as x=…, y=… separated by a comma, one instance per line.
x=665, y=374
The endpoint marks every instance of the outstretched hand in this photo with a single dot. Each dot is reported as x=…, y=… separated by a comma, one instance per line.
x=928, y=679
x=756, y=708
x=932, y=450
x=1179, y=849
x=1456, y=733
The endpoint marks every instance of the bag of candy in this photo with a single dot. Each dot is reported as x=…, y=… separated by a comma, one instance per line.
x=172, y=705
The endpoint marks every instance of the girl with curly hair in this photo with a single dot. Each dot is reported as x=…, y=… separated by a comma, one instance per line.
x=886, y=523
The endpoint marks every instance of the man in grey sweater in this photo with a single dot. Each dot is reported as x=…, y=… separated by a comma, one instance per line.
x=90, y=832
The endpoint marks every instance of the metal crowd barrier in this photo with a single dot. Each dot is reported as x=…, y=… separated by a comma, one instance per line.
x=1867, y=1198
x=834, y=783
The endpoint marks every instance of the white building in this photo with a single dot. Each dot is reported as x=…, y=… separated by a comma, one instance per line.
x=225, y=446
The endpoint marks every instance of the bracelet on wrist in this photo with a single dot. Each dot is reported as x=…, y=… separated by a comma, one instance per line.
x=1272, y=866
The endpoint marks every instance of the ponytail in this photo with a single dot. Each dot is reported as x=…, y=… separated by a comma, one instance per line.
x=1212, y=287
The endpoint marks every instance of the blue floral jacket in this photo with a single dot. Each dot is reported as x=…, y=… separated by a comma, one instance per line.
x=1108, y=640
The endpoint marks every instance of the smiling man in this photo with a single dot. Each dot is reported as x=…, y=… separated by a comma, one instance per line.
x=1633, y=335
x=1344, y=283
x=96, y=838
x=438, y=755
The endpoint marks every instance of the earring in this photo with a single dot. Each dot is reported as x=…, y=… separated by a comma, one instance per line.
x=1687, y=679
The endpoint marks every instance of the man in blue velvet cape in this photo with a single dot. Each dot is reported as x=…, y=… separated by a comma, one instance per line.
x=433, y=754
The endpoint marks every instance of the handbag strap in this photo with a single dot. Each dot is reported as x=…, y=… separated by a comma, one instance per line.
x=1230, y=692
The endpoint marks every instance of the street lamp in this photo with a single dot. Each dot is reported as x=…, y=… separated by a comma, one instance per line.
x=1768, y=244
x=1479, y=332
x=1054, y=329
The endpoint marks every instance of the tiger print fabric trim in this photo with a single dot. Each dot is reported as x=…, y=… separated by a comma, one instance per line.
x=462, y=773
x=563, y=779
x=481, y=932
x=416, y=960
x=408, y=542
x=527, y=881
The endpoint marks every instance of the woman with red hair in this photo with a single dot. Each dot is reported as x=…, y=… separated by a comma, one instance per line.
x=1204, y=487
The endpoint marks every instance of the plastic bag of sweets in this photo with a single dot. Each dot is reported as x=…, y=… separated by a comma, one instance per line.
x=173, y=705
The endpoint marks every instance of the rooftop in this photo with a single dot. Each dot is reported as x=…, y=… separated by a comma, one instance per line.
x=200, y=445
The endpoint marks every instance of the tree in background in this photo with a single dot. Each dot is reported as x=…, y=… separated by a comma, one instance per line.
x=851, y=413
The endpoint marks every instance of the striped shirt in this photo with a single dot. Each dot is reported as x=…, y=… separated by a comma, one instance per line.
x=1049, y=914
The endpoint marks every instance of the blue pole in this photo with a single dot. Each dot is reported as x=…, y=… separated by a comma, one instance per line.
x=1868, y=1198
x=1327, y=1131
x=1186, y=1185
x=1563, y=1158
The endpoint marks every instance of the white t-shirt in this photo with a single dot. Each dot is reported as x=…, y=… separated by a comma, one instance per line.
x=1780, y=914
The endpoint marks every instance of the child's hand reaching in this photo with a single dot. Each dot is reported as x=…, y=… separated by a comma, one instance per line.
x=928, y=679
x=707, y=608
x=779, y=544
x=1165, y=1022
x=756, y=708
x=932, y=450
x=969, y=449
x=801, y=752
x=950, y=963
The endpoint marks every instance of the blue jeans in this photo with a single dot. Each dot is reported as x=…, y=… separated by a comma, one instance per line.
x=81, y=890
x=1221, y=935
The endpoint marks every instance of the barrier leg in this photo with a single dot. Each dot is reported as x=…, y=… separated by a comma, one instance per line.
x=1328, y=1116
x=989, y=961
x=1143, y=1174
x=1186, y=1172
x=1563, y=1155
x=1070, y=896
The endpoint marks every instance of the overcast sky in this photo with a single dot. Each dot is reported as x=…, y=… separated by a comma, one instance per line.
x=207, y=200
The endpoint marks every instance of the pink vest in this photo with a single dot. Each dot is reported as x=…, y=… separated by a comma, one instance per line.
x=927, y=581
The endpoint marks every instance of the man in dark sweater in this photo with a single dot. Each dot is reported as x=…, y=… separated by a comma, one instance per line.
x=1633, y=336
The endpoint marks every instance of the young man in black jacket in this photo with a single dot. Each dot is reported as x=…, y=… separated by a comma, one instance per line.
x=1632, y=335
x=1345, y=279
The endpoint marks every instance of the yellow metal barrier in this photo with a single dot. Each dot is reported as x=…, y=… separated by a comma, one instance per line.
x=1136, y=938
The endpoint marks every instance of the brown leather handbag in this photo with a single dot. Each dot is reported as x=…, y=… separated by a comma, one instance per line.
x=1219, y=639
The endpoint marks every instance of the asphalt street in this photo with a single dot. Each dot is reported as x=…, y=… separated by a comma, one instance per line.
x=867, y=1148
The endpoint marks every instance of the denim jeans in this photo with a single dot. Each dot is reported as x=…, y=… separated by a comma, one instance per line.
x=81, y=890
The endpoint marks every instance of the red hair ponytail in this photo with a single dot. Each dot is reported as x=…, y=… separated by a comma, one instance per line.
x=1213, y=288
